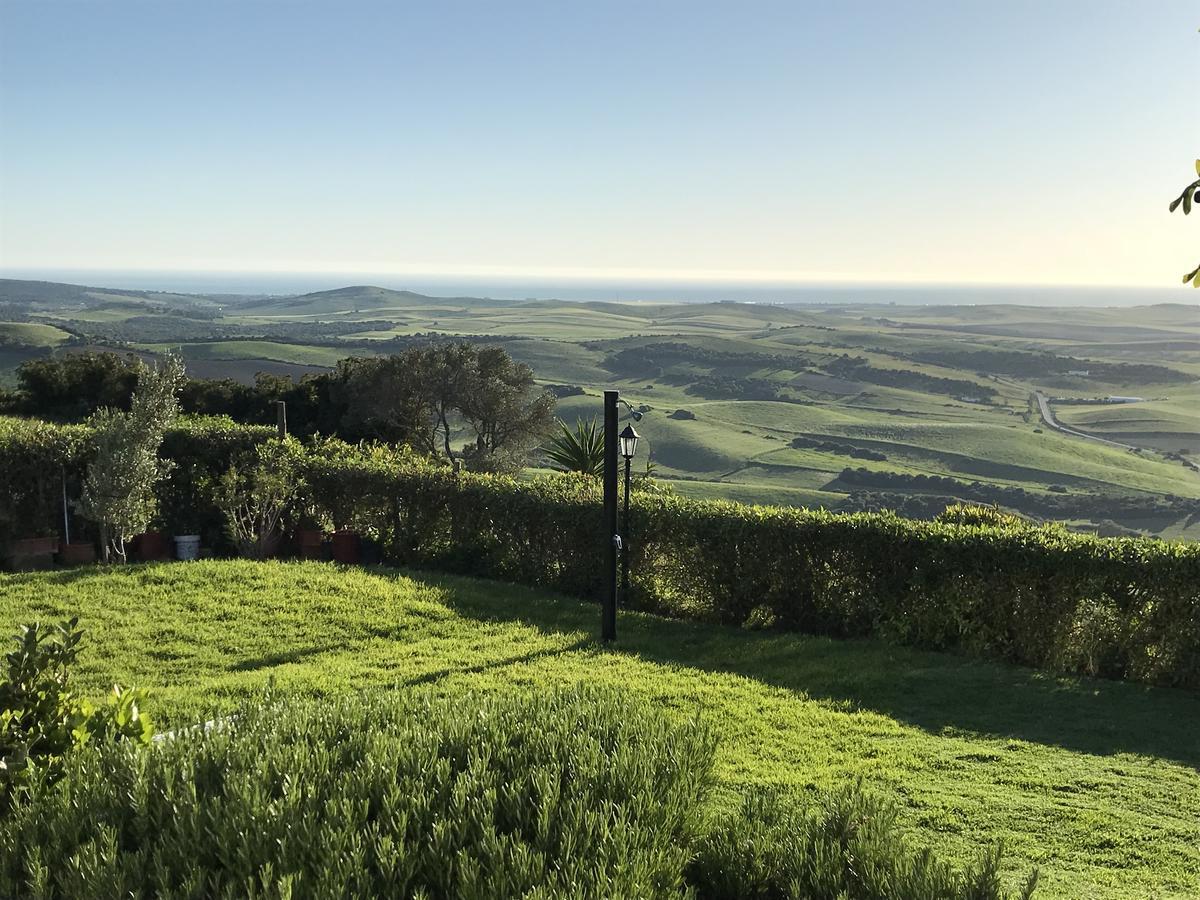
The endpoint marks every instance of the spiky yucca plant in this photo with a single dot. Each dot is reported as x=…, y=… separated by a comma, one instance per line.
x=578, y=450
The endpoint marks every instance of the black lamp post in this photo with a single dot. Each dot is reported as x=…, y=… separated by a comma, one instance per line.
x=625, y=445
x=628, y=440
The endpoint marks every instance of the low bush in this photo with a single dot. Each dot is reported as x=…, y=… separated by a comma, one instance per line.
x=574, y=793
x=397, y=795
x=41, y=718
x=844, y=845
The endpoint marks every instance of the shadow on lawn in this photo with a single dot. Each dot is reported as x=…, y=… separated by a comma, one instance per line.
x=938, y=692
x=431, y=677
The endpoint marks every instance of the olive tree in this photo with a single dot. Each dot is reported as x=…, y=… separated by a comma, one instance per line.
x=118, y=489
x=426, y=397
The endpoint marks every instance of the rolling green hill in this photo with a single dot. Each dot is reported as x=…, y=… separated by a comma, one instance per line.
x=939, y=391
x=31, y=334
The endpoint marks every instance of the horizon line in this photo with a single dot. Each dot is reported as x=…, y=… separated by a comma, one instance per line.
x=614, y=277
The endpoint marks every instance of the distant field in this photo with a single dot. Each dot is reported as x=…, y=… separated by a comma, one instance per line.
x=298, y=354
x=31, y=334
x=937, y=390
x=1170, y=424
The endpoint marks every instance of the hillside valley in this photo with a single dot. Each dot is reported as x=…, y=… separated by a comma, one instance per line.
x=844, y=406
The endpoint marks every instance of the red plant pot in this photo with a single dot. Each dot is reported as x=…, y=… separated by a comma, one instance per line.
x=32, y=553
x=77, y=554
x=308, y=542
x=153, y=546
x=347, y=547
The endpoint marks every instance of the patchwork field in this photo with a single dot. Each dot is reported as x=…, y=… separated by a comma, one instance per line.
x=1094, y=782
x=758, y=402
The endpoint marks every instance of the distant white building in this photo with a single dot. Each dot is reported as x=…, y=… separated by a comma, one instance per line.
x=1082, y=373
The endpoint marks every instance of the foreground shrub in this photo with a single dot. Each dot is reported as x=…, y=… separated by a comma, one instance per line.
x=41, y=718
x=845, y=846
x=571, y=794
x=576, y=793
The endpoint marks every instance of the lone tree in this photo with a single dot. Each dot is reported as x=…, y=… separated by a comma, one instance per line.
x=1190, y=195
x=118, y=490
x=427, y=396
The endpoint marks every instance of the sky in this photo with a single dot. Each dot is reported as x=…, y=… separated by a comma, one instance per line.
x=916, y=142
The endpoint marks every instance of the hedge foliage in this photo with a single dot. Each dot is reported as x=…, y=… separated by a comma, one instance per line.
x=988, y=586
x=563, y=794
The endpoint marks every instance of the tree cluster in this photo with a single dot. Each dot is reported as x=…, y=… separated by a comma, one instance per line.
x=455, y=400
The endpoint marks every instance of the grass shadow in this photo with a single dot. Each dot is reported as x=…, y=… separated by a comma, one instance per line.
x=941, y=693
x=480, y=668
x=280, y=659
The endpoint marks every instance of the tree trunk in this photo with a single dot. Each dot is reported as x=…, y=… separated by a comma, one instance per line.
x=446, y=434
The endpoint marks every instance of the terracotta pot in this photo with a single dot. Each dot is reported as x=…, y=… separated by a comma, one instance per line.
x=308, y=542
x=347, y=547
x=32, y=553
x=76, y=554
x=153, y=546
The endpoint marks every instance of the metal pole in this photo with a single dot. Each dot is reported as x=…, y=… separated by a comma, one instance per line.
x=608, y=617
x=281, y=418
x=625, y=540
x=66, y=518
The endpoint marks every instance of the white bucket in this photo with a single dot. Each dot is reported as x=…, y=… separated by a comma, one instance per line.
x=187, y=546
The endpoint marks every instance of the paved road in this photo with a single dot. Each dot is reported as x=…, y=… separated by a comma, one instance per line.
x=1043, y=403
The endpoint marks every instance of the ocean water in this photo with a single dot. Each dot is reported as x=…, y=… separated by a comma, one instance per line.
x=282, y=283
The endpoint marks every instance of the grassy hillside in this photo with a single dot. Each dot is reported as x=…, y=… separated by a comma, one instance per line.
x=938, y=390
x=31, y=334
x=272, y=351
x=1093, y=781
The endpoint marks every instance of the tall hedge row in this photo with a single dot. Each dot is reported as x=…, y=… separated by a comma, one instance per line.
x=1040, y=596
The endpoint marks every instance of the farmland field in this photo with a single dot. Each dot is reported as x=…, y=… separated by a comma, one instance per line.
x=1094, y=782
x=764, y=403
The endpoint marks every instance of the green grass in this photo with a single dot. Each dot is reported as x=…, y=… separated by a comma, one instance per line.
x=298, y=354
x=1095, y=782
x=31, y=334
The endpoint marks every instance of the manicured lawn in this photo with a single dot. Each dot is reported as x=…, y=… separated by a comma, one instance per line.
x=1095, y=782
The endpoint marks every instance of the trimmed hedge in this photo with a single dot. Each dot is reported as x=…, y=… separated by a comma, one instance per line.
x=1036, y=595
x=36, y=456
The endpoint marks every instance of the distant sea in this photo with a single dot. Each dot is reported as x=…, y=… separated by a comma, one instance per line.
x=279, y=283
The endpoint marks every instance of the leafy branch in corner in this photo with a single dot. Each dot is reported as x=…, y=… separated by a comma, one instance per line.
x=1190, y=195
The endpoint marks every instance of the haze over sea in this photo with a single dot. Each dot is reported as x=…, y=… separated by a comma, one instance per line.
x=626, y=290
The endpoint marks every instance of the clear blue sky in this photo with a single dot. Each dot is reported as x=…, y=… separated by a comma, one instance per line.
x=1032, y=142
